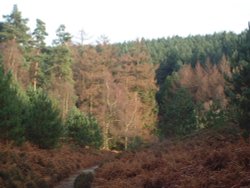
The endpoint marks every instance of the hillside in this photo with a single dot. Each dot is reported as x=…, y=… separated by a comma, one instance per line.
x=209, y=158
x=206, y=159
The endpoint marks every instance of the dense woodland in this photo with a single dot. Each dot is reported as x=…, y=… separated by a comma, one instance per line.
x=118, y=96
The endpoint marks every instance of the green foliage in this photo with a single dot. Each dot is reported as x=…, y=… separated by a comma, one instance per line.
x=84, y=130
x=63, y=36
x=167, y=67
x=57, y=62
x=172, y=52
x=188, y=50
x=177, y=115
x=44, y=125
x=11, y=127
x=240, y=90
x=39, y=34
x=15, y=27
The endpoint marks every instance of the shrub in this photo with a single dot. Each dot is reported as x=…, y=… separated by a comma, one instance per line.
x=178, y=115
x=84, y=130
x=10, y=110
x=44, y=125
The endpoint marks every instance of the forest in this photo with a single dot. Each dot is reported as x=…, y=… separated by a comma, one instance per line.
x=182, y=104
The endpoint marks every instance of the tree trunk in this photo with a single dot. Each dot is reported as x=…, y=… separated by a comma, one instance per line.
x=106, y=137
x=128, y=125
x=35, y=76
x=90, y=104
x=126, y=143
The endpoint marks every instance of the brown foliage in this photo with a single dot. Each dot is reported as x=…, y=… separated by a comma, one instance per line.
x=117, y=89
x=64, y=93
x=216, y=160
x=13, y=60
x=208, y=159
x=28, y=166
x=205, y=82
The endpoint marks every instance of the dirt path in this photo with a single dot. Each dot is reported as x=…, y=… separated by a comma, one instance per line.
x=69, y=182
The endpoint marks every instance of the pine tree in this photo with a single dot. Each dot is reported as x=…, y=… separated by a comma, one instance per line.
x=38, y=56
x=15, y=28
x=39, y=34
x=63, y=36
x=59, y=59
x=11, y=127
x=240, y=91
x=44, y=125
x=83, y=129
x=176, y=111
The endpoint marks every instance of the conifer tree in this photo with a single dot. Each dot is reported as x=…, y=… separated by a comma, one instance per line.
x=40, y=34
x=11, y=127
x=83, y=129
x=240, y=91
x=44, y=125
x=176, y=110
x=63, y=36
x=38, y=55
x=15, y=27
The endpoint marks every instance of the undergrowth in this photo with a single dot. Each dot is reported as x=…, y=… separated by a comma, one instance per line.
x=31, y=167
x=203, y=160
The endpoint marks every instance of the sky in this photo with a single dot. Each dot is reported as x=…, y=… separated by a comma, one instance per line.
x=125, y=20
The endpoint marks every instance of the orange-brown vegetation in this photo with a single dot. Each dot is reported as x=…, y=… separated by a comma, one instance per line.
x=206, y=82
x=117, y=89
x=28, y=166
x=13, y=59
x=207, y=159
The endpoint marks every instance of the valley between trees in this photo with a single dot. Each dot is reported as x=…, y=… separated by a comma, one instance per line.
x=176, y=109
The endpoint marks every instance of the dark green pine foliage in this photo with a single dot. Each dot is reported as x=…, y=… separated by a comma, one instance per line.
x=44, y=125
x=240, y=91
x=84, y=130
x=177, y=115
x=171, y=64
x=62, y=36
x=15, y=27
x=11, y=127
x=59, y=61
x=38, y=57
x=39, y=34
x=190, y=49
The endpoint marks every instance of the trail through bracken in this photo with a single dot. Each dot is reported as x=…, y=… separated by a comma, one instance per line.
x=29, y=166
